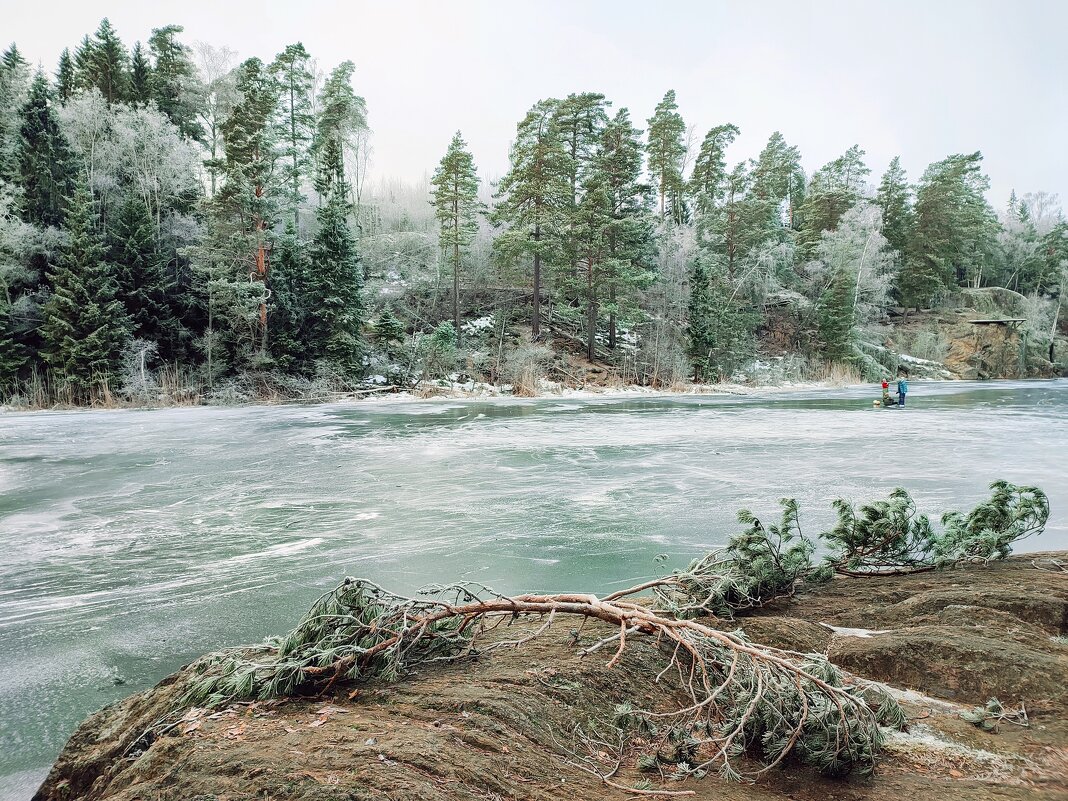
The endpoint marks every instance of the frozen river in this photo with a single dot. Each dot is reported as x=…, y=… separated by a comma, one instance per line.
x=133, y=541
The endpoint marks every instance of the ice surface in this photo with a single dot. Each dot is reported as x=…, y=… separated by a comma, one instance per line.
x=131, y=542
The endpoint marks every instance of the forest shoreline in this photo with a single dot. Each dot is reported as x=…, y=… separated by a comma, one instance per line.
x=483, y=392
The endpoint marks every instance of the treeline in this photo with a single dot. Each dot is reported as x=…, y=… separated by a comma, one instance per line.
x=167, y=215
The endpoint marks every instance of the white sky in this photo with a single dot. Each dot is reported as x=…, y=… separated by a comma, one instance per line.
x=919, y=79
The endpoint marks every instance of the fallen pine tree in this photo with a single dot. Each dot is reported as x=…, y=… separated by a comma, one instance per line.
x=742, y=698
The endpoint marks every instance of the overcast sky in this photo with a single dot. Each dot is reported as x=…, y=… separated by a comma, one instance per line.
x=915, y=79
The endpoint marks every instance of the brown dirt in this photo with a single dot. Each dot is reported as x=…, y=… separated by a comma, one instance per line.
x=493, y=728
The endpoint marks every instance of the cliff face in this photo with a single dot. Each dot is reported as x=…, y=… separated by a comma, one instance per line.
x=503, y=726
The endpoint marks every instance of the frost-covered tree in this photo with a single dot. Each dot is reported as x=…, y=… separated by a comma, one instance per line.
x=342, y=119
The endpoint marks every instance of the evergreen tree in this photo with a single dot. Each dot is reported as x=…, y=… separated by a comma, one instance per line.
x=14, y=89
x=730, y=232
x=579, y=121
x=83, y=64
x=666, y=151
x=249, y=198
x=108, y=65
x=342, y=114
x=835, y=188
x=335, y=276
x=534, y=196
x=11, y=355
x=65, y=77
x=44, y=159
x=837, y=318
x=892, y=199
x=146, y=290
x=707, y=183
x=388, y=329
x=296, y=120
x=953, y=234
x=720, y=328
x=777, y=177
x=289, y=290
x=614, y=232
x=456, y=207
x=174, y=80
x=85, y=328
x=140, y=77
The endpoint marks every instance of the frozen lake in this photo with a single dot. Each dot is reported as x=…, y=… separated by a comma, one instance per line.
x=133, y=541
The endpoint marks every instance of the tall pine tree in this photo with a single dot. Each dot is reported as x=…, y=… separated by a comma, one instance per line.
x=666, y=151
x=456, y=207
x=892, y=198
x=707, y=182
x=534, y=197
x=296, y=121
x=174, y=84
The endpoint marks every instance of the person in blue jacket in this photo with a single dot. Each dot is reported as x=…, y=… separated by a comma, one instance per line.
x=902, y=386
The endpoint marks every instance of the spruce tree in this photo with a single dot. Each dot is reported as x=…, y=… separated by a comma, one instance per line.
x=174, y=80
x=145, y=288
x=457, y=209
x=14, y=89
x=65, y=77
x=836, y=317
x=616, y=236
x=335, y=276
x=84, y=54
x=720, y=327
x=44, y=159
x=892, y=198
x=12, y=356
x=296, y=120
x=707, y=182
x=666, y=151
x=85, y=327
x=289, y=300
x=140, y=77
x=534, y=196
x=108, y=64
x=388, y=329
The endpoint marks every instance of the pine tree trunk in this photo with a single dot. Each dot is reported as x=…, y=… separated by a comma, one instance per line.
x=591, y=314
x=535, y=325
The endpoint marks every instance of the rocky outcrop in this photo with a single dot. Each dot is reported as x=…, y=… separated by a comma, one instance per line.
x=503, y=726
